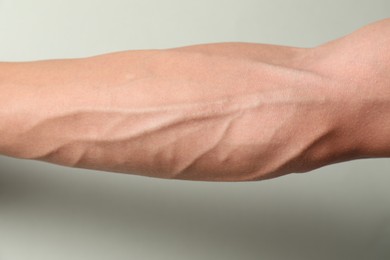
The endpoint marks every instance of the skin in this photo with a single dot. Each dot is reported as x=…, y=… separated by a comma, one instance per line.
x=211, y=112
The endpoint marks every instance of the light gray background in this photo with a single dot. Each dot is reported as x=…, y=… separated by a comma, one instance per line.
x=49, y=212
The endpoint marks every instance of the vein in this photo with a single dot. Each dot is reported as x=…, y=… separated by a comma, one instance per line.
x=179, y=174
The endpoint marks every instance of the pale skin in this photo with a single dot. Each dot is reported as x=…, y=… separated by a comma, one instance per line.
x=211, y=112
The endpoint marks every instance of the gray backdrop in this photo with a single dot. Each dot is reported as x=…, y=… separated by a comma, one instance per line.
x=49, y=212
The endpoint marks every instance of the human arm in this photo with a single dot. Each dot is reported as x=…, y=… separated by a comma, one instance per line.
x=225, y=112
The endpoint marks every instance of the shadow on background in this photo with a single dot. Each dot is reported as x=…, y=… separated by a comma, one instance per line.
x=89, y=214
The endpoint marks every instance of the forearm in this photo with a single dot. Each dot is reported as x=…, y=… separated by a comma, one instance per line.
x=178, y=113
x=207, y=112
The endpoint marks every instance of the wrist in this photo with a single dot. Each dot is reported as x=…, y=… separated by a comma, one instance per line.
x=8, y=120
x=372, y=124
x=361, y=116
x=359, y=63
